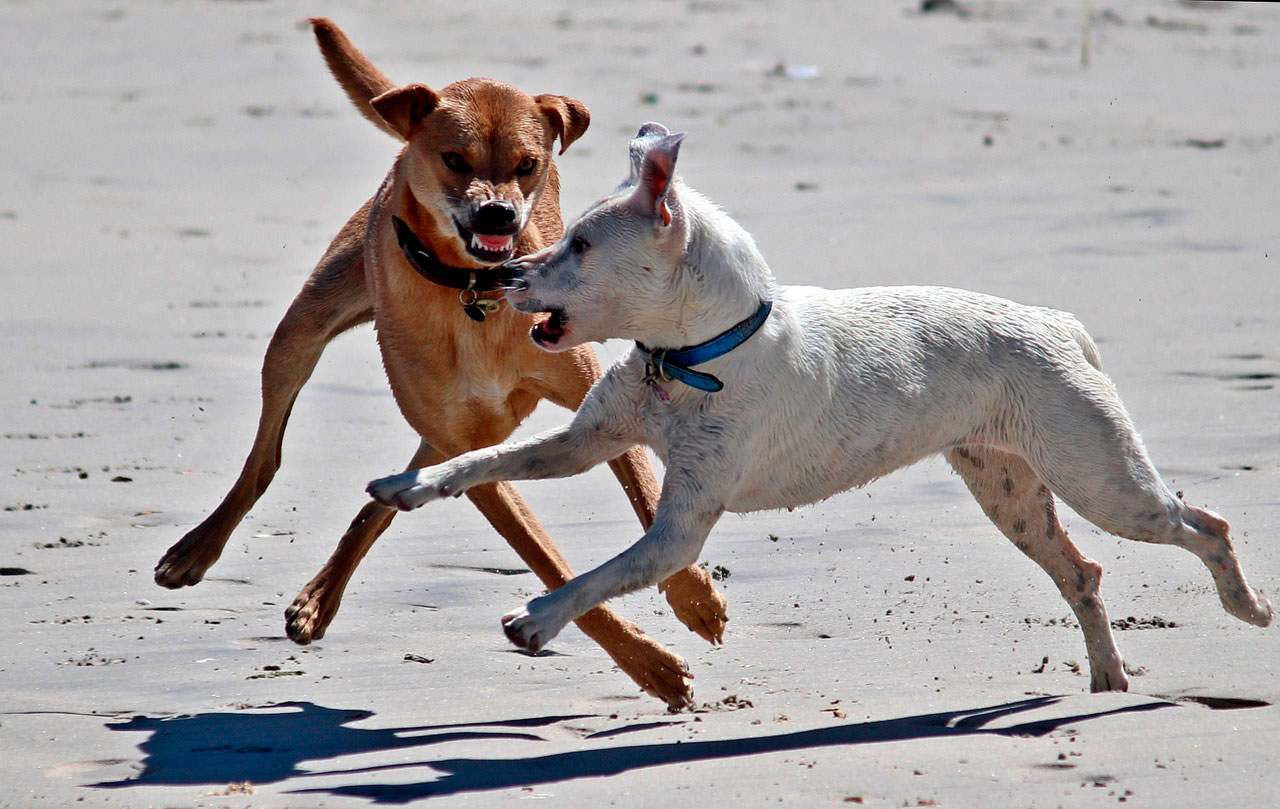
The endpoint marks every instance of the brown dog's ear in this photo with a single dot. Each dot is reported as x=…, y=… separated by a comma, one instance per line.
x=404, y=107
x=568, y=117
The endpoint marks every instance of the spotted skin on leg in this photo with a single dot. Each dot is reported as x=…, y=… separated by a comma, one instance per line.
x=1022, y=507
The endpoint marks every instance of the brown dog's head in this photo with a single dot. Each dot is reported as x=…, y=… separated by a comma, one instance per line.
x=479, y=156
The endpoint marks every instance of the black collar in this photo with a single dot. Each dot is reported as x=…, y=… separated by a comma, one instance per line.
x=470, y=281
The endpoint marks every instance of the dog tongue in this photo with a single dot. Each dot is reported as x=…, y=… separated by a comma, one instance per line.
x=494, y=243
x=549, y=328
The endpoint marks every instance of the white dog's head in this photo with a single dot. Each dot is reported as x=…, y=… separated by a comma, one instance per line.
x=616, y=270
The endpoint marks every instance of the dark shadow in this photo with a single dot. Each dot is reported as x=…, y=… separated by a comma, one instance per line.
x=474, y=775
x=265, y=745
x=268, y=744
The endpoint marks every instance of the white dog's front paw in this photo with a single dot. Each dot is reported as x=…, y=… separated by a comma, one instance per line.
x=409, y=490
x=528, y=632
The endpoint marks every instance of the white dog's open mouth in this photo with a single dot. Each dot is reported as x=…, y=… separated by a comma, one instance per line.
x=549, y=330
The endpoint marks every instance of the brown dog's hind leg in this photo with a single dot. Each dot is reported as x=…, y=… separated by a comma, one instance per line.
x=692, y=595
x=656, y=670
x=333, y=300
x=1022, y=507
x=317, y=603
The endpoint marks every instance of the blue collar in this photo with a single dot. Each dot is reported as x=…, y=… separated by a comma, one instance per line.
x=663, y=364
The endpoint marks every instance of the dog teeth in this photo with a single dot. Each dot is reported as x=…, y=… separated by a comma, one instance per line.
x=491, y=243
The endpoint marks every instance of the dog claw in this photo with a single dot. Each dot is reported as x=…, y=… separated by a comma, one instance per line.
x=300, y=624
x=659, y=673
x=657, y=670
x=185, y=564
x=1107, y=672
x=410, y=490
x=697, y=604
x=522, y=629
x=1253, y=608
x=310, y=614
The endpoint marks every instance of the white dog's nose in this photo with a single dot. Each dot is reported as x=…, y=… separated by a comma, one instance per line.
x=511, y=274
x=515, y=269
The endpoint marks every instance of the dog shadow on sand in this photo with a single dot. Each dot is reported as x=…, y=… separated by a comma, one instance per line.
x=268, y=747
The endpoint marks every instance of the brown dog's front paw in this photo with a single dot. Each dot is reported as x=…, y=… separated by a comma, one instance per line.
x=309, y=615
x=696, y=603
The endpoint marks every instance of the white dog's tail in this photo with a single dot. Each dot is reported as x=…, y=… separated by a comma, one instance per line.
x=1085, y=342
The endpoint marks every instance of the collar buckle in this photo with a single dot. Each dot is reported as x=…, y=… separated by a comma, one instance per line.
x=655, y=369
x=659, y=367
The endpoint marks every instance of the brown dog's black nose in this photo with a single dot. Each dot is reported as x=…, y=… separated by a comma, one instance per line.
x=495, y=216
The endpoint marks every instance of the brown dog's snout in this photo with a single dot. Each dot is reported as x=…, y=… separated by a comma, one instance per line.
x=495, y=216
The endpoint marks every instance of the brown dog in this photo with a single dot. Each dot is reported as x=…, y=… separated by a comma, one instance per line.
x=474, y=186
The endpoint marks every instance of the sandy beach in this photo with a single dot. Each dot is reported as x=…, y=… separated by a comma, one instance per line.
x=173, y=171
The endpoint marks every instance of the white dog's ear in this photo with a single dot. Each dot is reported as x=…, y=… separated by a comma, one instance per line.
x=640, y=144
x=657, y=175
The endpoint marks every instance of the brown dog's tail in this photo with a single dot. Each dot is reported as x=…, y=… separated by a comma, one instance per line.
x=357, y=75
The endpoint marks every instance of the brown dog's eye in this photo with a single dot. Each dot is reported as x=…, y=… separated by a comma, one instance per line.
x=456, y=162
x=525, y=167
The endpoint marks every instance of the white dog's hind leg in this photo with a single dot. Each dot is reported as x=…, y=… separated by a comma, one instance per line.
x=1208, y=536
x=1096, y=463
x=1022, y=507
x=1198, y=530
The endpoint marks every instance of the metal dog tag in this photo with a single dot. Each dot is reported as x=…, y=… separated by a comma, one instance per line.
x=480, y=308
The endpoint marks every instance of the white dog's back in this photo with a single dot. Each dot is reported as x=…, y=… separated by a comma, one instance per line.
x=888, y=375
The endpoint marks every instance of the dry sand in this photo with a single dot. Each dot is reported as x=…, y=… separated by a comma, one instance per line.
x=173, y=170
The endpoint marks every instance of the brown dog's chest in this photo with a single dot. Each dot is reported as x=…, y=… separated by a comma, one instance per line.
x=444, y=365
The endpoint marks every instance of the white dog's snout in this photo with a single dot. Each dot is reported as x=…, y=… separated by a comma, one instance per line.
x=516, y=272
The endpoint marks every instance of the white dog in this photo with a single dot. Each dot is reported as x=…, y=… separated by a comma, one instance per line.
x=825, y=391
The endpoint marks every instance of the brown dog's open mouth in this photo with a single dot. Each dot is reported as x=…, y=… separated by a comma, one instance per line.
x=491, y=248
x=549, y=330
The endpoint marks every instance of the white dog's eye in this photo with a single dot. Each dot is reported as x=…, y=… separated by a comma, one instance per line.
x=579, y=245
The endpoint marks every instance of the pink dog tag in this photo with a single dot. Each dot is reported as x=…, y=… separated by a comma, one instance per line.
x=661, y=393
